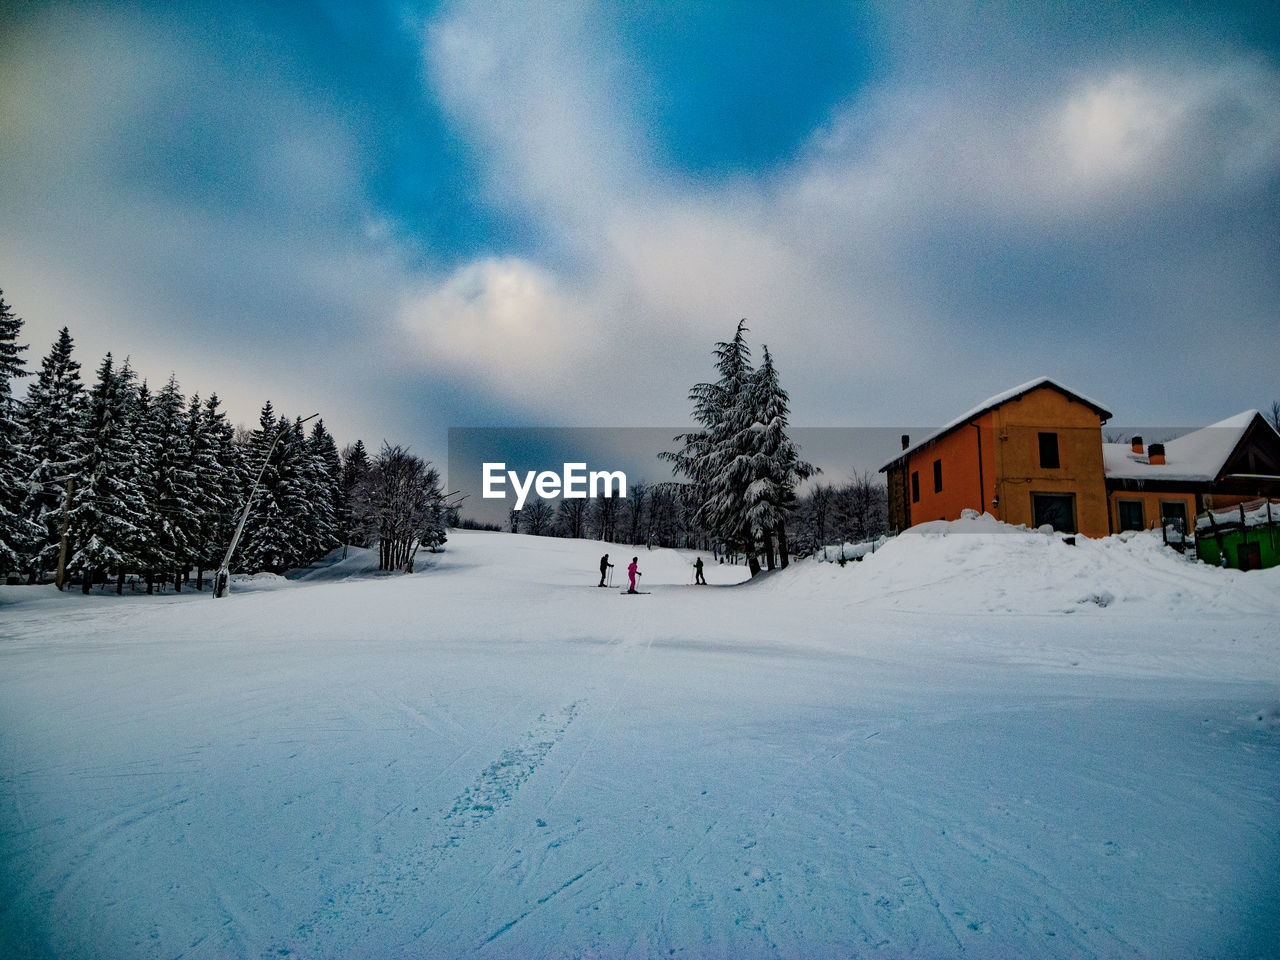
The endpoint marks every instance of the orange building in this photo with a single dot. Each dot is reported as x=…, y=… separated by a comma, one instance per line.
x=1031, y=455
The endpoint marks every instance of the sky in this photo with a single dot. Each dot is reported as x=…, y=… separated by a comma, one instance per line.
x=410, y=217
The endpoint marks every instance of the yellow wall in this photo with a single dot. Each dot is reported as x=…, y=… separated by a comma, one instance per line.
x=1150, y=506
x=1017, y=425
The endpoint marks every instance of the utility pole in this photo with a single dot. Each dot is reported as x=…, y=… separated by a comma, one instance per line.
x=222, y=578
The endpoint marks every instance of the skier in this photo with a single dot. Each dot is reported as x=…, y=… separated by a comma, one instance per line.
x=633, y=571
x=697, y=569
x=605, y=567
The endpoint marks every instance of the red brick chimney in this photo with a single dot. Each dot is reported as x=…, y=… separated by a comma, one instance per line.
x=1137, y=445
x=1156, y=454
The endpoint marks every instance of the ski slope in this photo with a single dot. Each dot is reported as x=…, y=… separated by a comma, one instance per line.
x=977, y=742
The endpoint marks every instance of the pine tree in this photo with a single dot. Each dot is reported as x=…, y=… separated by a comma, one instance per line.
x=11, y=365
x=296, y=495
x=266, y=544
x=224, y=489
x=741, y=466
x=171, y=487
x=108, y=517
x=713, y=459
x=355, y=470
x=18, y=535
x=436, y=514
x=54, y=416
x=146, y=443
x=326, y=494
x=776, y=467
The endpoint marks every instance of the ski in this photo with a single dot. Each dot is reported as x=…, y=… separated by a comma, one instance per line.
x=638, y=593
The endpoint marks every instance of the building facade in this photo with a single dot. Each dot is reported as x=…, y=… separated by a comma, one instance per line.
x=1226, y=463
x=1031, y=455
x=1034, y=455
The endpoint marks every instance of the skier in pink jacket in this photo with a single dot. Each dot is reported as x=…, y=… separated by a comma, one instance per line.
x=633, y=571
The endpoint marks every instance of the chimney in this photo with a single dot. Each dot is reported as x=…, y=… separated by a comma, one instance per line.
x=1137, y=445
x=906, y=440
x=1156, y=454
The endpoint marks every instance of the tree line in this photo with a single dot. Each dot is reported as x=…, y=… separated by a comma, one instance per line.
x=736, y=493
x=652, y=514
x=113, y=480
x=658, y=515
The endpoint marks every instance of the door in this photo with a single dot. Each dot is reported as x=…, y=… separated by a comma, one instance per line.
x=1174, y=513
x=1131, y=517
x=1056, y=509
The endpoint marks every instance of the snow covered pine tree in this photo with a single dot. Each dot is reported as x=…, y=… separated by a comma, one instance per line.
x=741, y=467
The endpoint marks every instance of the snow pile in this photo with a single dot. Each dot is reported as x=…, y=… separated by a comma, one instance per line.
x=979, y=565
x=345, y=563
x=849, y=550
x=257, y=581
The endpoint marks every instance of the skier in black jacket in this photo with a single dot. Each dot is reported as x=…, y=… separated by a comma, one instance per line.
x=605, y=566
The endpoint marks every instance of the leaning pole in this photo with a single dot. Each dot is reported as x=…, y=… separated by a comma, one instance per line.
x=223, y=577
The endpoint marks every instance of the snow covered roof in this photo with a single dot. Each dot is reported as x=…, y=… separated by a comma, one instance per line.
x=991, y=403
x=1198, y=456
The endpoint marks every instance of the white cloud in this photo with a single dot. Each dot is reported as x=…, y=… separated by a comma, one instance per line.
x=537, y=86
x=1129, y=136
x=827, y=257
x=108, y=234
x=503, y=318
x=1182, y=129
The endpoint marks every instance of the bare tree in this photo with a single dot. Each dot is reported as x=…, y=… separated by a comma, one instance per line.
x=634, y=511
x=571, y=517
x=856, y=510
x=862, y=507
x=538, y=516
x=399, y=502
x=815, y=517
x=604, y=516
x=1275, y=415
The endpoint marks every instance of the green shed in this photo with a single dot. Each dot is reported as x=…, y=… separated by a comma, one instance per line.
x=1249, y=535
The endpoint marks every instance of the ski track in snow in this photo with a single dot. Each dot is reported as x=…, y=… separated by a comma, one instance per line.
x=402, y=872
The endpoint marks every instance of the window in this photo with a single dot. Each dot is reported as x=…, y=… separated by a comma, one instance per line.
x=1058, y=510
x=1049, y=452
x=1131, y=515
x=915, y=486
x=937, y=476
x=1174, y=513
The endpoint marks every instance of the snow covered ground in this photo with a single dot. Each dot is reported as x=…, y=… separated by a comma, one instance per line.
x=970, y=744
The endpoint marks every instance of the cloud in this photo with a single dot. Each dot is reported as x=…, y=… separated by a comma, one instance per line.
x=166, y=204
x=536, y=86
x=505, y=318
x=930, y=225
x=960, y=222
x=1139, y=136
